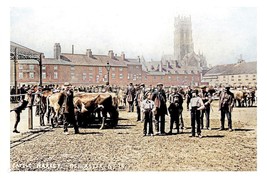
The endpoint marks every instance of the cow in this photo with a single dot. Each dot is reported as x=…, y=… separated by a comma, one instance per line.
x=54, y=105
x=240, y=97
x=89, y=104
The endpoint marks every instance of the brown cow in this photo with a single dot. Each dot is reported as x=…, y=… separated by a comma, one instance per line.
x=88, y=104
x=55, y=102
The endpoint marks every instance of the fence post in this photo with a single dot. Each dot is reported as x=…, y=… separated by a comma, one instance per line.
x=30, y=120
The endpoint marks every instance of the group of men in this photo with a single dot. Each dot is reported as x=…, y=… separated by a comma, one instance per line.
x=151, y=104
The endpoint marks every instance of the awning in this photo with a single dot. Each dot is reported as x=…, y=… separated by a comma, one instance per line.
x=23, y=52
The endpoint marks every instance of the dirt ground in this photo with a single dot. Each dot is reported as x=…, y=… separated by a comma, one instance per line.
x=125, y=148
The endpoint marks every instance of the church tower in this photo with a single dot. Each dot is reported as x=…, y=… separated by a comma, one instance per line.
x=183, y=41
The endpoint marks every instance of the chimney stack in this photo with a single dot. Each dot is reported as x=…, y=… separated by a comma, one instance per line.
x=89, y=53
x=122, y=56
x=57, y=51
x=111, y=54
x=72, y=52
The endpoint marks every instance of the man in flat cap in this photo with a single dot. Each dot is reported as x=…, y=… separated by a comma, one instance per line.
x=206, y=98
x=226, y=104
x=159, y=98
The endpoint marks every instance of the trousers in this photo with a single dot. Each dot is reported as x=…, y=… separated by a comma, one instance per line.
x=229, y=117
x=195, y=120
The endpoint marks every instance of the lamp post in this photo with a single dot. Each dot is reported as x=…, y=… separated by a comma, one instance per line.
x=108, y=69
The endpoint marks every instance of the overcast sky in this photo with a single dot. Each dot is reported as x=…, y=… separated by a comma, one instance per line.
x=138, y=29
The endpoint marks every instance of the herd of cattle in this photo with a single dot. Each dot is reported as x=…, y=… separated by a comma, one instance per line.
x=89, y=108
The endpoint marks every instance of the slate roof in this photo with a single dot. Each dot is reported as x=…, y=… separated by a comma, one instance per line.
x=234, y=69
x=97, y=60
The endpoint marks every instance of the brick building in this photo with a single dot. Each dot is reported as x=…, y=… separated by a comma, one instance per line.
x=90, y=69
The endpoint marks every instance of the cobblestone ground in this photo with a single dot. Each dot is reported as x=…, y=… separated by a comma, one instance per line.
x=125, y=148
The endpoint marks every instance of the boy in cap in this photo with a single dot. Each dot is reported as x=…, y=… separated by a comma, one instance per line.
x=148, y=107
x=195, y=106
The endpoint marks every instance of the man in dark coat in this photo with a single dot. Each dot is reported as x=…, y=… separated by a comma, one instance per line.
x=130, y=97
x=226, y=104
x=159, y=98
x=206, y=98
x=68, y=110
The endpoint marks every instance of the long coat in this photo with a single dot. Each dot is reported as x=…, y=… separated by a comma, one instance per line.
x=159, y=98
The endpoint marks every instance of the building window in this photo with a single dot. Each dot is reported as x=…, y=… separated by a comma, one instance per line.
x=113, y=76
x=105, y=78
x=31, y=67
x=239, y=79
x=84, y=76
x=233, y=76
x=43, y=67
x=120, y=69
x=21, y=75
x=177, y=78
x=55, y=75
x=169, y=77
x=90, y=68
x=90, y=75
x=72, y=68
x=112, y=68
x=137, y=67
x=100, y=70
x=239, y=76
x=20, y=67
x=72, y=75
x=246, y=75
x=55, y=67
x=31, y=75
x=121, y=76
x=134, y=77
x=44, y=75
